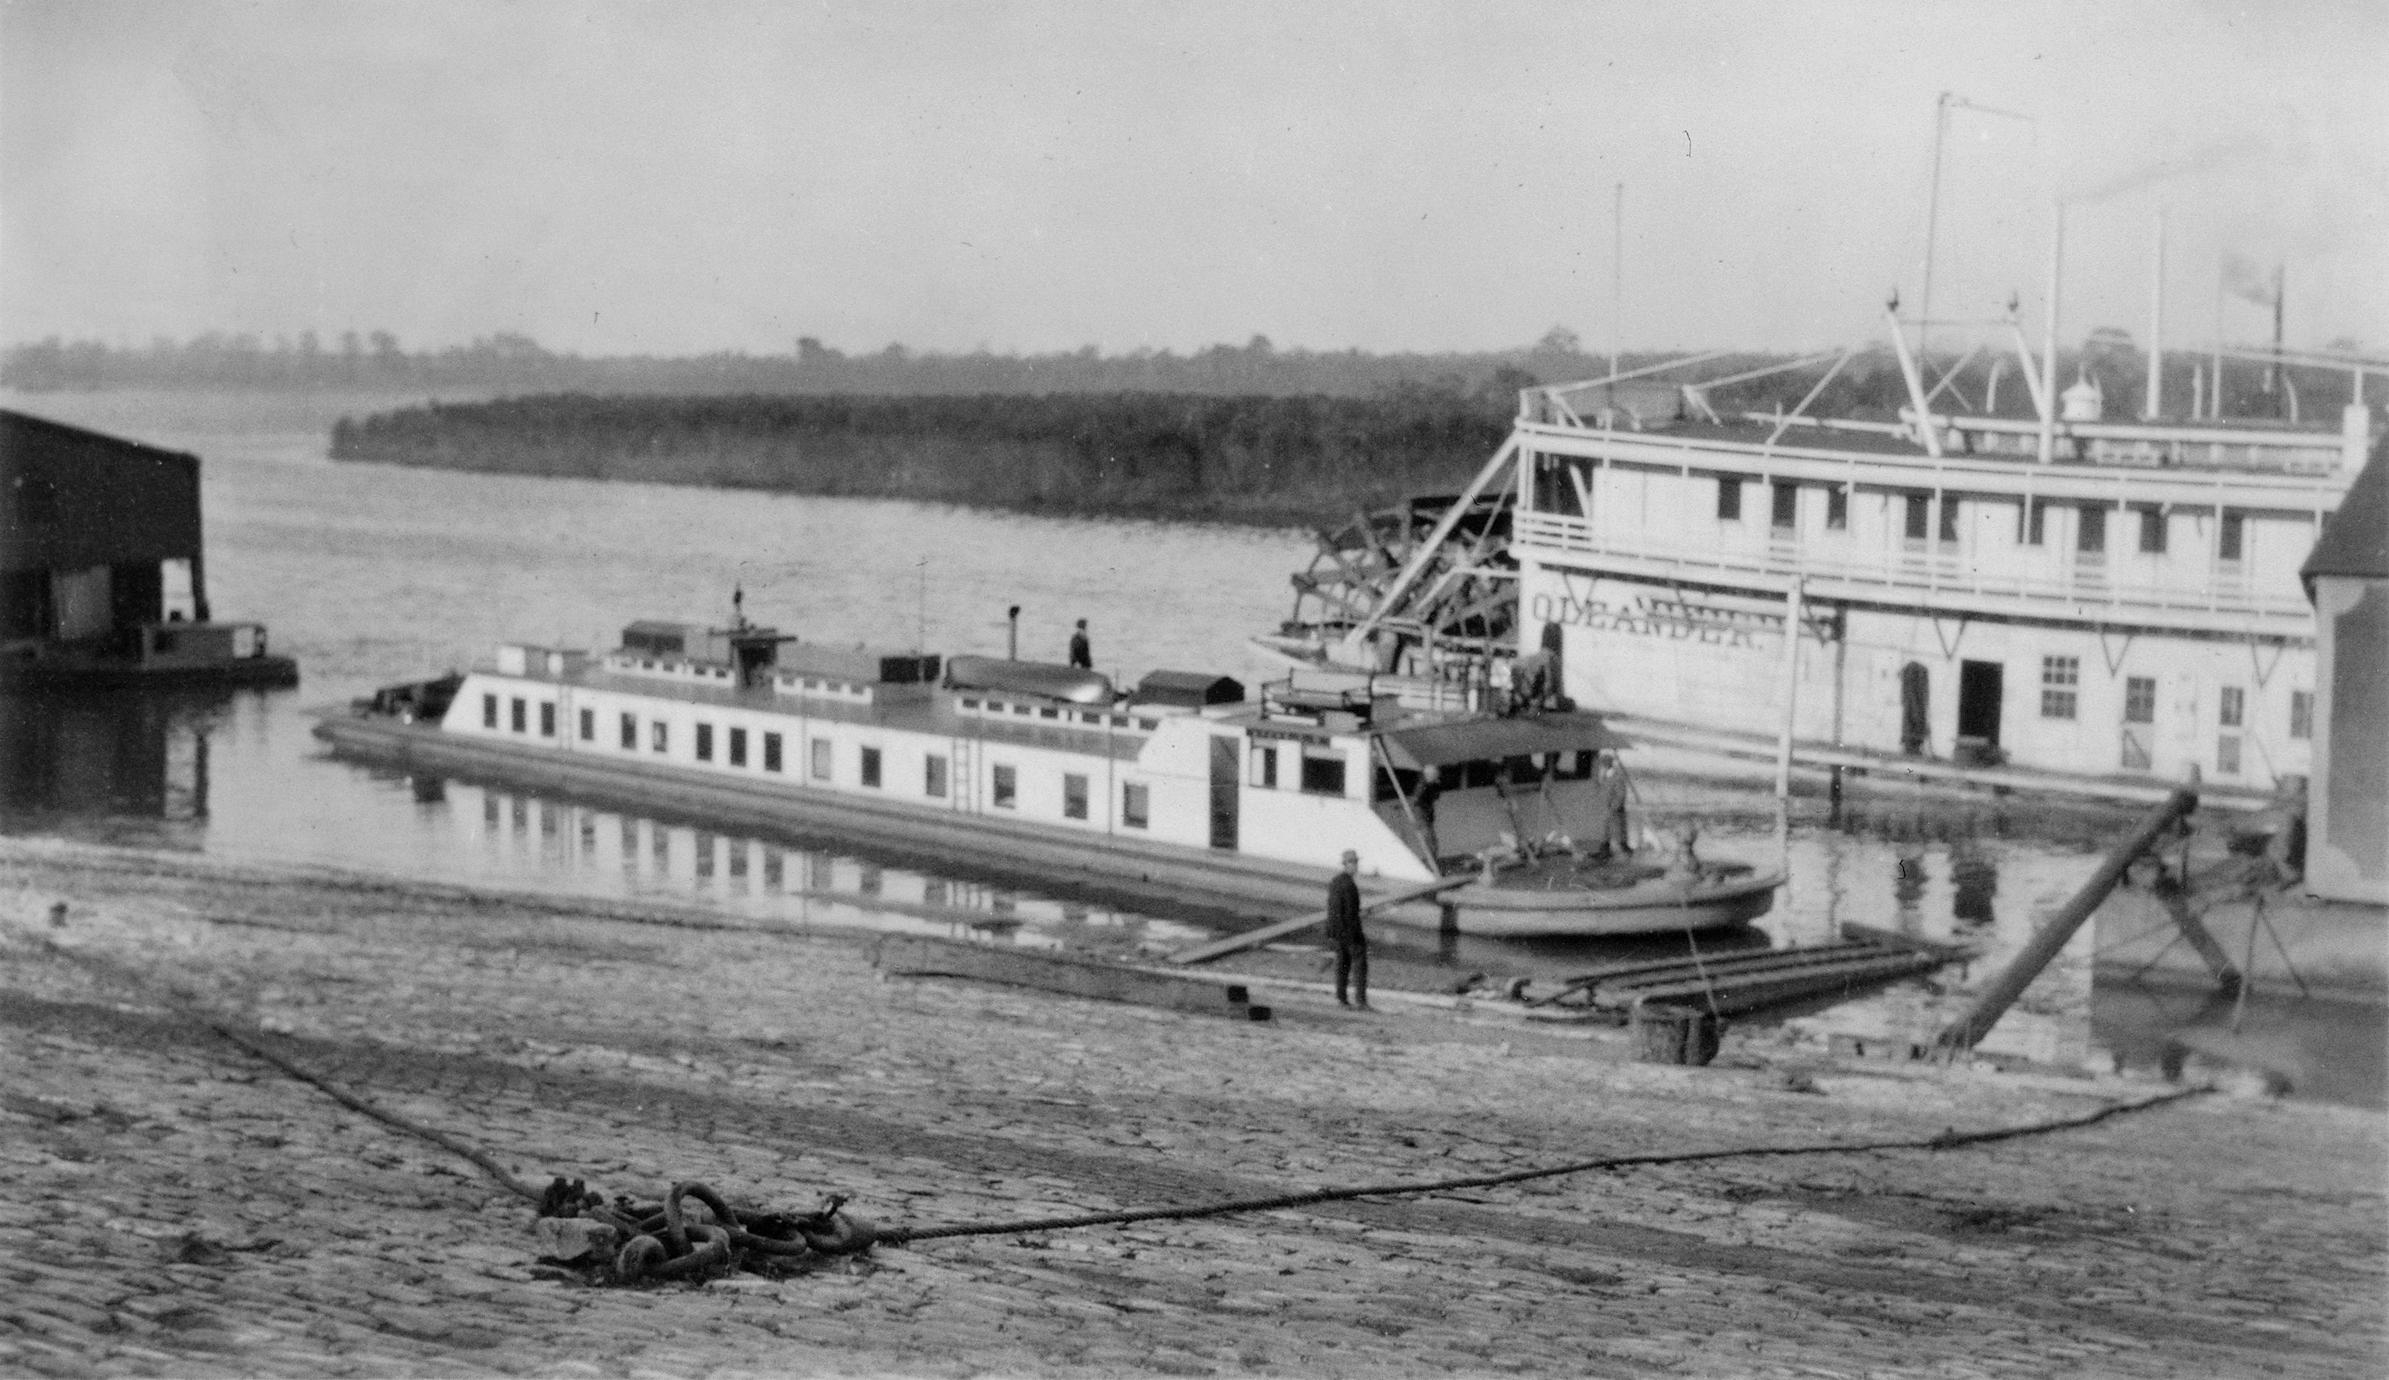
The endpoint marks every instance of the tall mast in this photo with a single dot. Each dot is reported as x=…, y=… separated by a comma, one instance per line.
x=2155, y=407
x=1617, y=278
x=2048, y=398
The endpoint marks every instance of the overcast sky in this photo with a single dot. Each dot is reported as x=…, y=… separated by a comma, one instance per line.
x=672, y=178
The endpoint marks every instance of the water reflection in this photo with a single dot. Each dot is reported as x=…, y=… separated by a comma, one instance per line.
x=617, y=852
x=94, y=755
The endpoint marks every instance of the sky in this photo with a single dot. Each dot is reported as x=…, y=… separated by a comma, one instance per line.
x=620, y=178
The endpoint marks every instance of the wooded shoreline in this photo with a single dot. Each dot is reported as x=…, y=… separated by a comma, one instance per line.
x=1271, y=461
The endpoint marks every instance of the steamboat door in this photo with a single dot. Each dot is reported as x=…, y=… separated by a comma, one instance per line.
x=1225, y=782
x=1980, y=687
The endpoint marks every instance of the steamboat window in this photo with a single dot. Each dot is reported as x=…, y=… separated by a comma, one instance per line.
x=547, y=718
x=588, y=725
x=2301, y=713
x=705, y=742
x=659, y=736
x=1074, y=796
x=1323, y=774
x=2036, y=523
x=1004, y=785
x=2231, y=541
x=820, y=765
x=1949, y=520
x=489, y=711
x=738, y=747
x=2152, y=531
x=1837, y=508
x=771, y=752
x=2061, y=677
x=1786, y=511
x=2090, y=532
x=1729, y=500
x=933, y=775
x=1919, y=515
x=630, y=732
x=1573, y=766
x=2231, y=706
x=1265, y=766
x=2140, y=699
x=1136, y=805
x=516, y=714
x=871, y=766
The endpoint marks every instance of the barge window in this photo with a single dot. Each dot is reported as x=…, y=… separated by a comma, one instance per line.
x=771, y=752
x=2233, y=706
x=1265, y=766
x=1729, y=499
x=2060, y=678
x=705, y=742
x=588, y=725
x=1323, y=775
x=547, y=718
x=1006, y=783
x=820, y=749
x=630, y=732
x=659, y=736
x=1074, y=796
x=2227, y=754
x=489, y=711
x=1919, y=507
x=2301, y=713
x=2090, y=535
x=870, y=766
x=2140, y=699
x=1787, y=504
x=738, y=747
x=2232, y=537
x=1837, y=508
x=933, y=775
x=515, y=715
x=2152, y=531
x=1136, y=805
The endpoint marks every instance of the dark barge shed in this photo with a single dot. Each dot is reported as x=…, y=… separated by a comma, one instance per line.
x=103, y=575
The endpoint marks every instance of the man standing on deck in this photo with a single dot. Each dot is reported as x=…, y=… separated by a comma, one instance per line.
x=1344, y=931
x=1082, y=654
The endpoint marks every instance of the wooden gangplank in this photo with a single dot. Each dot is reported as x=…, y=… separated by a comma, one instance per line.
x=1075, y=974
x=1268, y=934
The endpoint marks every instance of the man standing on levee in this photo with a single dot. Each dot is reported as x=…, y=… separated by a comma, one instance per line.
x=1344, y=931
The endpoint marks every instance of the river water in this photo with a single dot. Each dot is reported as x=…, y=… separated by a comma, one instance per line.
x=371, y=574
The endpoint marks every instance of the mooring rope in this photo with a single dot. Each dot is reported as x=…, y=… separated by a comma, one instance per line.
x=1948, y=1139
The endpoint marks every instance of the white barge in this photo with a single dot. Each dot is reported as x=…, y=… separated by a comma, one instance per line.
x=1182, y=785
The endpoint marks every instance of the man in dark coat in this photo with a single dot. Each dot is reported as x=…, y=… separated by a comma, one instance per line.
x=1082, y=655
x=1344, y=931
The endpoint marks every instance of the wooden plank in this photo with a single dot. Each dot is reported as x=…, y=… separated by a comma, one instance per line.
x=919, y=956
x=1253, y=939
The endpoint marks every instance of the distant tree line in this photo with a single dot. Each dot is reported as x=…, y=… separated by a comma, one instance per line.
x=1251, y=458
x=1869, y=385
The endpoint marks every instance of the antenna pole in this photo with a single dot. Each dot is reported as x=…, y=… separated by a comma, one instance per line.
x=2155, y=406
x=1932, y=225
x=1617, y=278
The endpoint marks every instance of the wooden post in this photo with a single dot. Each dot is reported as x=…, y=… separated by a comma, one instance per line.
x=2045, y=944
x=1791, y=691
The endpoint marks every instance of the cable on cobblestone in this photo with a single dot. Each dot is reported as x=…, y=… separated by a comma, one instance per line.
x=1946, y=1140
x=687, y=1249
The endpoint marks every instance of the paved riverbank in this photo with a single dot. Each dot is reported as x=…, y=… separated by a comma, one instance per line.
x=181, y=1208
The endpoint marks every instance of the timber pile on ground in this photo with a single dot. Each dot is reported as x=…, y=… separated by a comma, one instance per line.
x=190, y=1210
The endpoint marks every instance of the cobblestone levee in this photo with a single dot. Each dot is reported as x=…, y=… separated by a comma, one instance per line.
x=180, y=1208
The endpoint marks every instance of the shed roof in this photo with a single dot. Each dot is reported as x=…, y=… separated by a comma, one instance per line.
x=1485, y=740
x=2355, y=539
